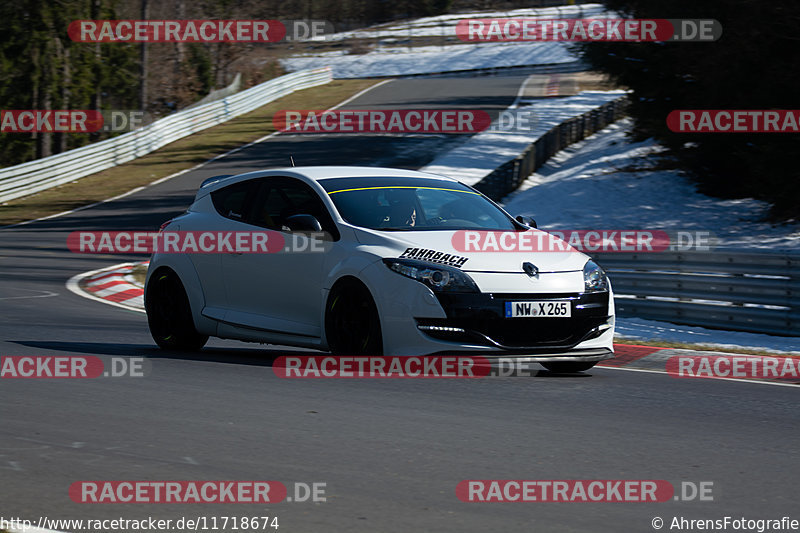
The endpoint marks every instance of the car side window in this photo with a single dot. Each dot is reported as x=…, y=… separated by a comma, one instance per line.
x=278, y=198
x=233, y=201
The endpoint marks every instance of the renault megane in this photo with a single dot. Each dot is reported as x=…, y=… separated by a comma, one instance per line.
x=388, y=278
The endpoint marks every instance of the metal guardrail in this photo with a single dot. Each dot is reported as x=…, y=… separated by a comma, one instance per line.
x=41, y=174
x=508, y=176
x=755, y=292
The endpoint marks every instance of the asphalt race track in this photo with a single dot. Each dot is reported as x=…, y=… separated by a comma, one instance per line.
x=391, y=452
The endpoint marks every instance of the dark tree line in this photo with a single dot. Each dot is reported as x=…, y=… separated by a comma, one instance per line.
x=41, y=68
x=752, y=66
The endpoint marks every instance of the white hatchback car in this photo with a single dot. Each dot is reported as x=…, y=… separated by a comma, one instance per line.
x=389, y=281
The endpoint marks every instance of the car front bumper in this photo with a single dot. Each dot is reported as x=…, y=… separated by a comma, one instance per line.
x=480, y=319
x=415, y=321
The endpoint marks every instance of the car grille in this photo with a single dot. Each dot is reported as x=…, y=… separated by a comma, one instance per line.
x=471, y=318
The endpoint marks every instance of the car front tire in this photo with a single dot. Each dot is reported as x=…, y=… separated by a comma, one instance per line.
x=352, y=324
x=169, y=315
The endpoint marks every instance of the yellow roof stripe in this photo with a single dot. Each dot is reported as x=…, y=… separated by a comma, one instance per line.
x=402, y=187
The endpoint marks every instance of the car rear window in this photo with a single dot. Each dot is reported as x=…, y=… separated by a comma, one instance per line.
x=231, y=201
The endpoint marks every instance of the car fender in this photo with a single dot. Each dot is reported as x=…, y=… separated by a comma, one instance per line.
x=183, y=267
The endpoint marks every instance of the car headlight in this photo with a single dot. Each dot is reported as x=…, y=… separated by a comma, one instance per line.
x=594, y=277
x=439, y=278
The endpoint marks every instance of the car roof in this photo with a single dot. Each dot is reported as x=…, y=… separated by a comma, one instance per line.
x=324, y=172
x=316, y=173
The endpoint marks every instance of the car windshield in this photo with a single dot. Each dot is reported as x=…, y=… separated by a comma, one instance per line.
x=414, y=205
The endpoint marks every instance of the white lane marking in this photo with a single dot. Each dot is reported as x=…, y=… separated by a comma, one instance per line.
x=73, y=286
x=113, y=277
x=179, y=173
x=359, y=94
x=704, y=379
x=521, y=91
x=122, y=287
x=47, y=294
x=136, y=301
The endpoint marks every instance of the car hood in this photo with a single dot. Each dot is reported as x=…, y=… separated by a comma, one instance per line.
x=398, y=243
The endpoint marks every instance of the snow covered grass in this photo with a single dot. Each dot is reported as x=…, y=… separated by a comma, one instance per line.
x=637, y=329
x=486, y=151
x=428, y=59
x=445, y=24
x=589, y=185
x=407, y=59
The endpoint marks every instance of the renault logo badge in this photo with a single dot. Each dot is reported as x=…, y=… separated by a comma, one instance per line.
x=530, y=269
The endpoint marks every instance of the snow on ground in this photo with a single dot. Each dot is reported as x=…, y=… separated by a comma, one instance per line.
x=403, y=61
x=587, y=186
x=486, y=151
x=444, y=25
x=427, y=59
x=640, y=329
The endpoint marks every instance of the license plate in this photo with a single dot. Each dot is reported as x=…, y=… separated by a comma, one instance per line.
x=540, y=308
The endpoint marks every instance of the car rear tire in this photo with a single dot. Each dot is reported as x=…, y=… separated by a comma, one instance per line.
x=169, y=314
x=567, y=368
x=352, y=324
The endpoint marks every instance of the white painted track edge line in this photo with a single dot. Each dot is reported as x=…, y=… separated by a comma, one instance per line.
x=360, y=94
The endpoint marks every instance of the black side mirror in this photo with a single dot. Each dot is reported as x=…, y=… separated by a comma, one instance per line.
x=528, y=221
x=303, y=222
